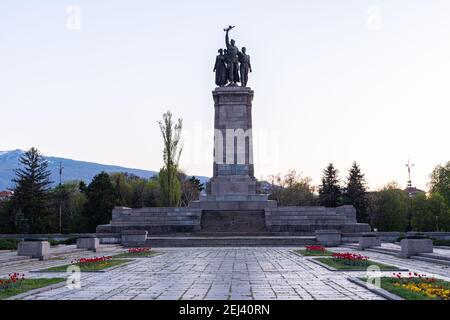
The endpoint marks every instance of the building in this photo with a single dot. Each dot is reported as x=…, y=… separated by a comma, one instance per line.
x=5, y=195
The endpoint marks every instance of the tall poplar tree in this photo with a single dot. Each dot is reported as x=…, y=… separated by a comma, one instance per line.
x=170, y=186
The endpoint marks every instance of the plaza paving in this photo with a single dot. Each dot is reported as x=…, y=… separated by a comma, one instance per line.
x=215, y=273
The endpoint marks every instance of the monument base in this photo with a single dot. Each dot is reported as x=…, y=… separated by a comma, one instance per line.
x=233, y=185
x=233, y=202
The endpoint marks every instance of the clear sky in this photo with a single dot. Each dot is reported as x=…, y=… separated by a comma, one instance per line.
x=334, y=81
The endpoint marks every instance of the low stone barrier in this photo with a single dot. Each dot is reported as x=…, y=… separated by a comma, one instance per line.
x=368, y=241
x=91, y=243
x=34, y=248
x=415, y=245
x=133, y=238
x=329, y=238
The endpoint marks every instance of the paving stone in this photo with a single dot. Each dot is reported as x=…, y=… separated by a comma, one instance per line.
x=217, y=273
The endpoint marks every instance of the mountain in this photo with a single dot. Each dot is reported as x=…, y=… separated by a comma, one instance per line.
x=73, y=169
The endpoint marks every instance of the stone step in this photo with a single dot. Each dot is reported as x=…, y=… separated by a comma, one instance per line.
x=234, y=234
x=233, y=221
x=12, y=257
x=391, y=252
x=228, y=241
x=432, y=260
x=434, y=256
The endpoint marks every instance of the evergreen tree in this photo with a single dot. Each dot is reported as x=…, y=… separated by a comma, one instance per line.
x=330, y=194
x=190, y=189
x=100, y=200
x=170, y=186
x=355, y=193
x=32, y=183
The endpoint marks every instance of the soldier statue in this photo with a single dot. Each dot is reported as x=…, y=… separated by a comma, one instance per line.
x=245, y=66
x=232, y=58
x=220, y=68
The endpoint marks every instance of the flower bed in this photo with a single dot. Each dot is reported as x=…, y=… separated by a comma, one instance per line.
x=90, y=264
x=416, y=287
x=16, y=284
x=314, y=251
x=352, y=261
x=137, y=253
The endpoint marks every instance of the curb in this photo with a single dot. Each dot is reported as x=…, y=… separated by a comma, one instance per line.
x=381, y=292
x=357, y=270
x=84, y=272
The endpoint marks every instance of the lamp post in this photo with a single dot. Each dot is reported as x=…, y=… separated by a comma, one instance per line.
x=60, y=196
x=410, y=194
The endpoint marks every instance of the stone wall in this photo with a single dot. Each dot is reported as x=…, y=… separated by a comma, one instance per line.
x=310, y=219
x=154, y=220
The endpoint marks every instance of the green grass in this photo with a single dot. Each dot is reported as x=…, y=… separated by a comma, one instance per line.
x=335, y=263
x=308, y=253
x=27, y=285
x=137, y=255
x=9, y=244
x=89, y=267
x=66, y=242
x=437, y=242
x=388, y=284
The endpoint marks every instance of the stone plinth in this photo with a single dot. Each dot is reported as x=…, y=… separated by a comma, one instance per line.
x=233, y=170
x=368, y=241
x=329, y=238
x=133, y=238
x=34, y=249
x=88, y=243
x=412, y=247
x=234, y=202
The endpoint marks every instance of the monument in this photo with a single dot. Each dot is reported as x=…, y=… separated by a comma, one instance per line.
x=232, y=209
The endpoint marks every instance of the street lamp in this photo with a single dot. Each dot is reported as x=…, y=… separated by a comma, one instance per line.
x=410, y=194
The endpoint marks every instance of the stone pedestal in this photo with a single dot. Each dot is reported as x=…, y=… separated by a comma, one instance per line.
x=328, y=238
x=134, y=238
x=368, y=241
x=233, y=171
x=412, y=247
x=35, y=249
x=88, y=243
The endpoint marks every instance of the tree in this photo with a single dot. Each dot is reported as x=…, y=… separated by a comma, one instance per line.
x=101, y=198
x=168, y=178
x=291, y=189
x=151, y=193
x=388, y=208
x=440, y=181
x=430, y=213
x=32, y=183
x=72, y=200
x=355, y=192
x=190, y=189
x=122, y=182
x=330, y=194
x=7, y=218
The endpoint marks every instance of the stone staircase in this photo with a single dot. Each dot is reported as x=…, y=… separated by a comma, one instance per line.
x=224, y=240
x=225, y=228
x=233, y=221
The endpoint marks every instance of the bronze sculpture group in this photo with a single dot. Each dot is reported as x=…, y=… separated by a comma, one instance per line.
x=232, y=66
